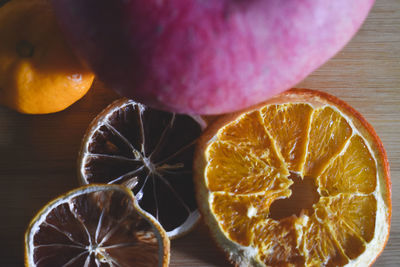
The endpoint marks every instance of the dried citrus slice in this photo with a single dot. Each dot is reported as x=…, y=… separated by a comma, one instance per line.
x=301, y=180
x=149, y=151
x=97, y=225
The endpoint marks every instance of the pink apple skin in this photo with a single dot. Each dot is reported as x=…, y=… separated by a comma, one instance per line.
x=207, y=56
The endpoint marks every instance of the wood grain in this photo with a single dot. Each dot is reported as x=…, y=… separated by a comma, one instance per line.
x=38, y=153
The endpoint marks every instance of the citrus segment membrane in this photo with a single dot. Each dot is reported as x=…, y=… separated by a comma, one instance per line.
x=329, y=132
x=233, y=170
x=353, y=171
x=250, y=136
x=329, y=210
x=288, y=125
x=347, y=221
x=278, y=239
x=96, y=226
x=149, y=151
x=238, y=213
x=352, y=220
x=319, y=246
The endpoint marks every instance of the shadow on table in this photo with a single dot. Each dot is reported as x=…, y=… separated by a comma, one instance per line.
x=38, y=155
x=197, y=249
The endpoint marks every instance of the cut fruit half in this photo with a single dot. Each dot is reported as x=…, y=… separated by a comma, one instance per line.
x=97, y=225
x=301, y=180
x=149, y=151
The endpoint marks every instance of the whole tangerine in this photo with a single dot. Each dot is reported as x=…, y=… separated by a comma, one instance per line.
x=38, y=71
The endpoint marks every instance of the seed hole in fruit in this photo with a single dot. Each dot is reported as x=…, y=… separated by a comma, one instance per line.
x=304, y=195
x=25, y=49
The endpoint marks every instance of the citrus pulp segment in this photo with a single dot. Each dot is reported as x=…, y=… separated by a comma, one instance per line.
x=328, y=135
x=316, y=146
x=149, y=151
x=279, y=238
x=231, y=167
x=344, y=175
x=254, y=207
x=250, y=136
x=95, y=226
x=291, y=140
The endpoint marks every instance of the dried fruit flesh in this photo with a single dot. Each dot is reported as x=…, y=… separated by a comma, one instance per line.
x=301, y=180
x=95, y=226
x=149, y=151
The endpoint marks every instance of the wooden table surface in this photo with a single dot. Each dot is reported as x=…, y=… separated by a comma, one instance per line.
x=38, y=153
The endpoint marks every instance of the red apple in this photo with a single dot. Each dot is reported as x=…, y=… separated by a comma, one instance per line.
x=207, y=56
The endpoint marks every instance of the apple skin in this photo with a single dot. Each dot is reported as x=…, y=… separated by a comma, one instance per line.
x=207, y=56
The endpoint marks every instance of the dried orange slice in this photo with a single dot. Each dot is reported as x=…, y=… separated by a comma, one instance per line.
x=151, y=152
x=97, y=225
x=301, y=180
